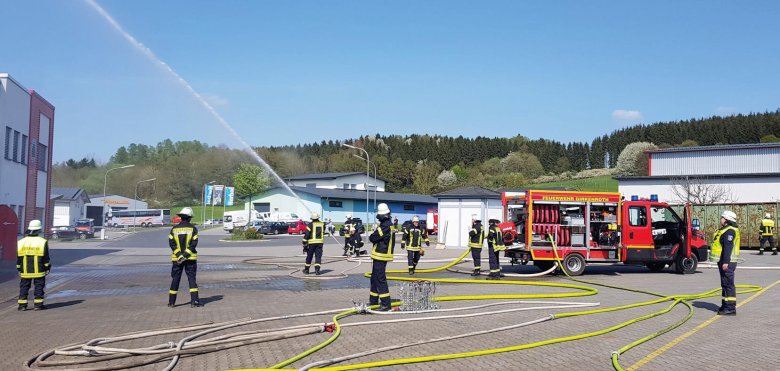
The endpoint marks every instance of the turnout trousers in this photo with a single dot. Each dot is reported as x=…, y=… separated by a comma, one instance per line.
x=729, y=292
x=413, y=259
x=476, y=254
x=24, y=290
x=314, y=251
x=190, y=267
x=380, y=292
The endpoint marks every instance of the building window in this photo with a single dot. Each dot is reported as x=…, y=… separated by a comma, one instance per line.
x=408, y=207
x=311, y=185
x=335, y=204
x=353, y=186
x=8, y=132
x=23, y=156
x=346, y=185
x=42, y=157
x=16, y=146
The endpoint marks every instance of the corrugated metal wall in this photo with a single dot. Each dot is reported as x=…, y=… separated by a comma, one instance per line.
x=717, y=162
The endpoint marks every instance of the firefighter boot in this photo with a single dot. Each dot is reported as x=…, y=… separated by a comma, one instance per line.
x=476, y=273
x=411, y=271
x=760, y=252
x=22, y=307
x=317, y=270
x=39, y=306
x=306, y=270
x=774, y=252
x=171, y=300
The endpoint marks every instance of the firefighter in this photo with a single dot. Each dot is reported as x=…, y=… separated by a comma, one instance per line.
x=476, y=240
x=495, y=246
x=346, y=231
x=355, y=241
x=312, y=243
x=33, y=264
x=413, y=238
x=767, y=232
x=383, y=239
x=183, y=240
x=725, y=248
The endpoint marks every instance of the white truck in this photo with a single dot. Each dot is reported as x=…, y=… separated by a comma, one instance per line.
x=235, y=219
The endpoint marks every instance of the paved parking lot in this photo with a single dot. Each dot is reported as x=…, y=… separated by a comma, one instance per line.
x=115, y=287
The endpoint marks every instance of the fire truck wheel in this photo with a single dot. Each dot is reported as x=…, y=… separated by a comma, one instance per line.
x=574, y=264
x=683, y=265
x=656, y=267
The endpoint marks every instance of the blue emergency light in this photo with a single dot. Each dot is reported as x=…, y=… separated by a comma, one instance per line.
x=654, y=198
x=634, y=198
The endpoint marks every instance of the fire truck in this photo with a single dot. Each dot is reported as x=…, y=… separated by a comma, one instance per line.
x=598, y=227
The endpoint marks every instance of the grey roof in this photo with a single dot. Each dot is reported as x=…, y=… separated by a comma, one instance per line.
x=699, y=176
x=350, y=194
x=716, y=147
x=469, y=192
x=329, y=176
x=68, y=193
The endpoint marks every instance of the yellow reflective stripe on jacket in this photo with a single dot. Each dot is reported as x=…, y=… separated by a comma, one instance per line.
x=189, y=233
x=31, y=247
x=481, y=237
x=767, y=228
x=317, y=230
x=388, y=256
x=498, y=240
x=716, y=249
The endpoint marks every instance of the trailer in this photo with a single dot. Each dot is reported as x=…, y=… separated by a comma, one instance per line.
x=598, y=227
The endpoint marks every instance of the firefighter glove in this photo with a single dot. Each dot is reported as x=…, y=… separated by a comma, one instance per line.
x=427, y=243
x=403, y=246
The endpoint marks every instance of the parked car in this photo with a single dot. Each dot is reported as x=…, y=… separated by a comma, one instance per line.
x=70, y=232
x=298, y=227
x=278, y=227
x=261, y=226
x=359, y=227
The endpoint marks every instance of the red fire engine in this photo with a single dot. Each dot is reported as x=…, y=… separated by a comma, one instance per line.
x=598, y=227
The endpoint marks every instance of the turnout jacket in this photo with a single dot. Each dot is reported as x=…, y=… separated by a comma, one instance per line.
x=476, y=235
x=414, y=237
x=767, y=228
x=183, y=240
x=383, y=239
x=496, y=238
x=32, y=257
x=315, y=233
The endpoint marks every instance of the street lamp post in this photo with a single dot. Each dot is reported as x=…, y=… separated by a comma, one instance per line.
x=204, y=199
x=105, y=182
x=375, y=180
x=135, y=199
x=368, y=170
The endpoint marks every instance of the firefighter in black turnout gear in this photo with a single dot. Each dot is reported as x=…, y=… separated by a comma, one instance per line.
x=312, y=243
x=413, y=238
x=495, y=246
x=725, y=248
x=347, y=231
x=476, y=240
x=383, y=239
x=354, y=242
x=766, y=235
x=183, y=240
x=33, y=264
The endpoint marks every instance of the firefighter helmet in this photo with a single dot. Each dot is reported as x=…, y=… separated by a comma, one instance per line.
x=729, y=215
x=35, y=225
x=187, y=211
x=768, y=216
x=382, y=209
x=315, y=215
x=415, y=219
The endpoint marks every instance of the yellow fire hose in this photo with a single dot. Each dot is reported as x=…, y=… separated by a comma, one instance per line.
x=580, y=290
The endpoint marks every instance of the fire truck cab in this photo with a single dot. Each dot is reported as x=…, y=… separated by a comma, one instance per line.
x=598, y=227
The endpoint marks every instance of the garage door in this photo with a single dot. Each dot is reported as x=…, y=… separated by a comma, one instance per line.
x=262, y=207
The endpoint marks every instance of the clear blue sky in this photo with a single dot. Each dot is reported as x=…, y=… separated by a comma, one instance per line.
x=288, y=72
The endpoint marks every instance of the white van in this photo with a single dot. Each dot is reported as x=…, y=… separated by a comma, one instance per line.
x=234, y=219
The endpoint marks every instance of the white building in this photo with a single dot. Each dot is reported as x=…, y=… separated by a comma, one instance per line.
x=26, y=135
x=353, y=180
x=69, y=205
x=456, y=208
x=747, y=173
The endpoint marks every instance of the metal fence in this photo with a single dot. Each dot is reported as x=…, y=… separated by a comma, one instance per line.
x=748, y=218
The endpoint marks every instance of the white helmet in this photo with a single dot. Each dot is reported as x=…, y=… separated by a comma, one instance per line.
x=35, y=225
x=768, y=216
x=474, y=217
x=415, y=219
x=729, y=215
x=187, y=211
x=315, y=215
x=349, y=216
x=382, y=209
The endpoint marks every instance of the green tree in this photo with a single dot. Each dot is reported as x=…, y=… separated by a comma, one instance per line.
x=633, y=159
x=250, y=180
x=425, y=177
x=770, y=139
x=526, y=164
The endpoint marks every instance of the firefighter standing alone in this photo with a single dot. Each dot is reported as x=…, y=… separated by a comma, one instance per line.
x=312, y=243
x=33, y=264
x=347, y=231
x=183, y=240
x=413, y=238
x=383, y=239
x=476, y=240
x=767, y=232
x=725, y=248
x=495, y=246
